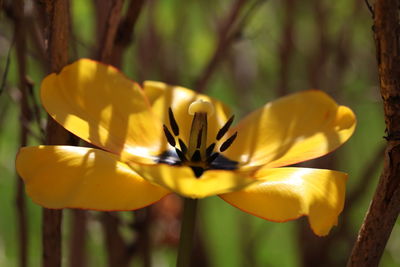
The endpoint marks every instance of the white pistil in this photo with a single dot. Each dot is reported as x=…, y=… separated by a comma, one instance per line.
x=201, y=106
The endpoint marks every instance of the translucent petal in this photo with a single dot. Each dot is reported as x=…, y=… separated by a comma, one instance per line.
x=292, y=129
x=78, y=177
x=283, y=194
x=182, y=180
x=100, y=105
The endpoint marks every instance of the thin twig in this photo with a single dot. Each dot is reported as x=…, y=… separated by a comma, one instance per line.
x=318, y=63
x=125, y=31
x=286, y=47
x=115, y=244
x=230, y=30
x=226, y=36
x=371, y=10
x=77, y=252
x=112, y=22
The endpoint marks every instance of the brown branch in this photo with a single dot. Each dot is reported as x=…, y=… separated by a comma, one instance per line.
x=385, y=206
x=36, y=36
x=143, y=243
x=112, y=22
x=58, y=35
x=318, y=64
x=125, y=30
x=19, y=33
x=227, y=35
x=77, y=253
x=286, y=48
x=115, y=244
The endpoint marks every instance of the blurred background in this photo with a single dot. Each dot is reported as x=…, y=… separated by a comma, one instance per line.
x=243, y=52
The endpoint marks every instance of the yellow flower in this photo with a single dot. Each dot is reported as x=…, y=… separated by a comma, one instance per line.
x=161, y=139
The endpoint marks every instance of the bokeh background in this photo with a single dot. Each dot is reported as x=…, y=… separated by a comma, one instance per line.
x=243, y=52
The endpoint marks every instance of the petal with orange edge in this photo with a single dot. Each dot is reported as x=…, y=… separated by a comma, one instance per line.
x=283, y=194
x=163, y=96
x=182, y=180
x=292, y=129
x=102, y=106
x=78, y=177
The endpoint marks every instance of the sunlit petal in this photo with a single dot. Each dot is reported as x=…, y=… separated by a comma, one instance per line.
x=77, y=177
x=182, y=180
x=283, y=194
x=102, y=106
x=292, y=129
x=163, y=96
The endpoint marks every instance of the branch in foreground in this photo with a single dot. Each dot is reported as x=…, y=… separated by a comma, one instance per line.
x=385, y=206
x=58, y=28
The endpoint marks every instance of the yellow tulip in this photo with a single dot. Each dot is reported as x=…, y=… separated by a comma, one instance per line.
x=158, y=139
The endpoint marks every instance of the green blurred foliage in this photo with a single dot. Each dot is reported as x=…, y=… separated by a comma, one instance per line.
x=182, y=36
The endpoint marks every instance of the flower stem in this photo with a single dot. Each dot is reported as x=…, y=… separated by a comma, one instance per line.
x=187, y=232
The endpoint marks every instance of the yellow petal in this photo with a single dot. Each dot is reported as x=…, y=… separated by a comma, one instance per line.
x=283, y=194
x=100, y=105
x=292, y=129
x=182, y=180
x=163, y=96
x=78, y=177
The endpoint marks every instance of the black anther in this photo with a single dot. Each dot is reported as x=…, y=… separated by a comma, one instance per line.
x=198, y=171
x=182, y=146
x=172, y=122
x=210, y=149
x=225, y=128
x=212, y=157
x=228, y=142
x=180, y=155
x=168, y=135
x=196, y=156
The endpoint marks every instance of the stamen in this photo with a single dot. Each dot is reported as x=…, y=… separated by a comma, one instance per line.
x=172, y=122
x=182, y=146
x=180, y=155
x=225, y=128
x=228, y=142
x=196, y=156
x=168, y=135
x=198, y=171
x=212, y=157
x=210, y=149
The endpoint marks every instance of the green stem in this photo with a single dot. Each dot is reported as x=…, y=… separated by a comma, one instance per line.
x=187, y=232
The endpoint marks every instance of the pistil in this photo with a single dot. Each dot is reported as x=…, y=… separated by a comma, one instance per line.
x=198, y=137
x=198, y=133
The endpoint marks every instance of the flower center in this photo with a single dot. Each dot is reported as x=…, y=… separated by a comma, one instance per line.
x=197, y=154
